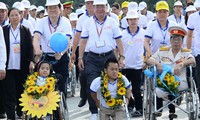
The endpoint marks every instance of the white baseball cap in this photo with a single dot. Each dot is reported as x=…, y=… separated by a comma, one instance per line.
x=52, y=2
x=178, y=3
x=190, y=8
x=19, y=6
x=132, y=14
x=32, y=7
x=88, y=0
x=142, y=5
x=26, y=3
x=100, y=2
x=3, y=6
x=132, y=6
x=80, y=11
x=73, y=16
x=197, y=3
x=108, y=8
x=40, y=8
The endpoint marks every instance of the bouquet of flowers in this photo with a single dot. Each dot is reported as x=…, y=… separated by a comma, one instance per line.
x=37, y=86
x=169, y=83
x=121, y=91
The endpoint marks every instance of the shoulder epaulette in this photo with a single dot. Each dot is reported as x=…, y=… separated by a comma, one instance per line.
x=185, y=50
x=164, y=48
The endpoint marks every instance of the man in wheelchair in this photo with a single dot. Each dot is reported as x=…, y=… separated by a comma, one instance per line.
x=178, y=58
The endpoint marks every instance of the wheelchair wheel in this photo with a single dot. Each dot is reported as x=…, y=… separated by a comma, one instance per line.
x=74, y=81
x=63, y=109
x=148, y=101
x=192, y=102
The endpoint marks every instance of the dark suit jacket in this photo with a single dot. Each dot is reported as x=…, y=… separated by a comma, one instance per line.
x=26, y=46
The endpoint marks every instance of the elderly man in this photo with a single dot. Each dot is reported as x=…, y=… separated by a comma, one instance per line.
x=175, y=56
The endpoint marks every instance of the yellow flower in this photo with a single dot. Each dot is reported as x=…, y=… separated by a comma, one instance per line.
x=40, y=89
x=49, y=87
x=51, y=80
x=30, y=89
x=30, y=82
x=36, y=73
x=107, y=94
x=111, y=102
x=172, y=78
x=121, y=91
x=119, y=84
x=176, y=84
x=166, y=78
x=167, y=75
x=119, y=75
x=105, y=84
x=32, y=77
x=169, y=82
x=106, y=77
x=119, y=102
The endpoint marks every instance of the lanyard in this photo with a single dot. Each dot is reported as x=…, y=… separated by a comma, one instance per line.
x=27, y=17
x=96, y=21
x=177, y=21
x=51, y=25
x=133, y=34
x=15, y=37
x=163, y=31
x=21, y=21
x=3, y=23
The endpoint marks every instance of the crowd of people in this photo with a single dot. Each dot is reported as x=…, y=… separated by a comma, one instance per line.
x=103, y=38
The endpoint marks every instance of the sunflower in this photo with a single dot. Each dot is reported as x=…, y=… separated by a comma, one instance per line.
x=36, y=73
x=119, y=84
x=107, y=94
x=121, y=91
x=50, y=80
x=119, y=102
x=176, y=84
x=30, y=82
x=119, y=75
x=106, y=84
x=30, y=89
x=172, y=78
x=40, y=89
x=111, y=102
x=32, y=77
x=49, y=87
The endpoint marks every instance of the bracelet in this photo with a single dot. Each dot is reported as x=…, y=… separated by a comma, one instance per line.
x=80, y=57
x=121, y=56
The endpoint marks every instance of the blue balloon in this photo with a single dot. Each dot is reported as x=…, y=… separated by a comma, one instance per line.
x=58, y=42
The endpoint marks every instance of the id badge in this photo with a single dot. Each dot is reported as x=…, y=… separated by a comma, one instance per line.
x=100, y=43
x=16, y=47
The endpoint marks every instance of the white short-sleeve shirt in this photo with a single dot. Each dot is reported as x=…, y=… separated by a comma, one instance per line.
x=112, y=87
x=115, y=17
x=157, y=35
x=2, y=51
x=27, y=24
x=142, y=22
x=177, y=21
x=81, y=20
x=133, y=48
x=4, y=23
x=45, y=29
x=106, y=40
x=194, y=25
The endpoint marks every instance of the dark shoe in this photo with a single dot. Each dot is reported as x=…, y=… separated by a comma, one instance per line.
x=172, y=115
x=199, y=115
x=137, y=113
x=130, y=109
x=2, y=116
x=158, y=114
x=82, y=103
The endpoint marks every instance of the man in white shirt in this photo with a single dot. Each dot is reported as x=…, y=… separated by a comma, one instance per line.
x=98, y=37
x=3, y=14
x=143, y=10
x=177, y=17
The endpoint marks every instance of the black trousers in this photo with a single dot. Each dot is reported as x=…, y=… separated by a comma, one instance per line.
x=134, y=76
x=83, y=79
x=95, y=64
x=13, y=88
x=170, y=106
x=2, y=99
x=197, y=73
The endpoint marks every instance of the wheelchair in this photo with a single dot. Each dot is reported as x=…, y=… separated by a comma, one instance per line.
x=149, y=98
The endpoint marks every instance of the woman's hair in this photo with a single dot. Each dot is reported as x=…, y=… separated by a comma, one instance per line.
x=11, y=9
x=38, y=65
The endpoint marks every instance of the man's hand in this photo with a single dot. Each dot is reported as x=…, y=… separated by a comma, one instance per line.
x=159, y=67
x=98, y=103
x=177, y=69
x=121, y=62
x=73, y=57
x=80, y=64
x=31, y=67
x=2, y=74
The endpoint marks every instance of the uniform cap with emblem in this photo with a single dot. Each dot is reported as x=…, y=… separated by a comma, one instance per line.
x=142, y=5
x=125, y=4
x=132, y=6
x=176, y=30
x=19, y=6
x=100, y=2
x=26, y=3
x=197, y=3
x=52, y=2
x=162, y=5
x=132, y=14
x=68, y=5
x=3, y=6
x=73, y=17
x=190, y=8
x=178, y=3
